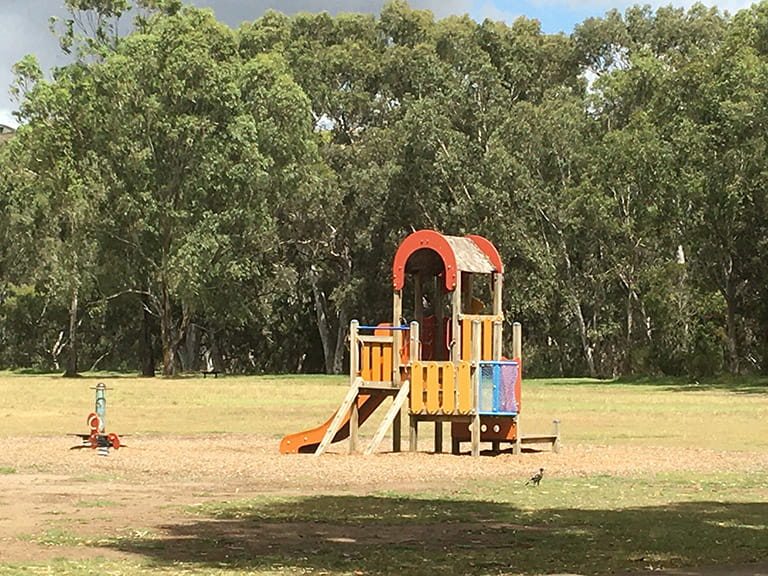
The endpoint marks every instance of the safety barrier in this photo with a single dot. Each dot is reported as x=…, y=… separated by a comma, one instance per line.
x=499, y=385
x=376, y=351
x=485, y=325
x=441, y=388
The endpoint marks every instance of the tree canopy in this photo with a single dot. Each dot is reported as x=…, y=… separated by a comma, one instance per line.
x=187, y=193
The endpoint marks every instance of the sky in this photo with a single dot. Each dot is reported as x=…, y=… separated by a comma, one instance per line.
x=25, y=23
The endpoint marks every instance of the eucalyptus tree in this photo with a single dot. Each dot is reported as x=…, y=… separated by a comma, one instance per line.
x=197, y=144
x=730, y=209
x=330, y=226
x=53, y=150
x=679, y=96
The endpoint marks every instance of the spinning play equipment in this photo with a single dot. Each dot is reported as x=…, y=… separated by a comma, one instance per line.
x=446, y=365
x=97, y=437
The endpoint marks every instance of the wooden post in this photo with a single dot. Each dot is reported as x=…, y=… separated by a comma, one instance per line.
x=354, y=352
x=354, y=428
x=392, y=417
x=415, y=343
x=418, y=298
x=397, y=431
x=556, y=434
x=455, y=326
x=341, y=414
x=497, y=340
x=498, y=281
x=354, y=372
x=397, y=341
x=517, y=341
x=517, y=352
x=438, y=437
x=437, y=304
x=415, y=354
x=476, y=352
x=413, y=443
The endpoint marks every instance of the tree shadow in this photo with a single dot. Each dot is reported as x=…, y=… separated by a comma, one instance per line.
x=382, y=535
x=738, y=384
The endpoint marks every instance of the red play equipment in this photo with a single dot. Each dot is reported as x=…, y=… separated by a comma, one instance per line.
x=446, y=365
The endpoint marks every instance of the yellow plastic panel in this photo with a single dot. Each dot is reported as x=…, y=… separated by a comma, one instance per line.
x=376, y=362
x=433, y=388
x=449, y=389
x=487, y=352
x=365, y=363
x=417, y=387
x=466, y=339
x=386, y=362
x=464, y=384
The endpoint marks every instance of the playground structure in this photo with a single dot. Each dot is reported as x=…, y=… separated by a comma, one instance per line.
x=97, y=437
x=445, y=366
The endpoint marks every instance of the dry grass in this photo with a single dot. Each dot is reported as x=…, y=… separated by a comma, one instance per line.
x=653, y=474
x=591, y=412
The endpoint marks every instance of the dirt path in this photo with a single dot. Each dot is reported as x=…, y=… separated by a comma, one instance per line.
x=55, y=492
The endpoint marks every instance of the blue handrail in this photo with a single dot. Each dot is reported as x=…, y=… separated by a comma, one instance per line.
x=383, y=327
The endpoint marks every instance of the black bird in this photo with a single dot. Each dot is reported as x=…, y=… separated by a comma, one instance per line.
x=536, y=478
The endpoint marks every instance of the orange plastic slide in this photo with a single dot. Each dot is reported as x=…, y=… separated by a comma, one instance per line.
x=309, y=440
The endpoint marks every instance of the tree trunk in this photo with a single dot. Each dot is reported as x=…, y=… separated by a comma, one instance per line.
x=628, y=342
x=733, y=349
x=586, y=347
x=147, y=351
x=323, y=322
x=167, y=333
x=341, y=339
x=189, y=353
x=71, y=369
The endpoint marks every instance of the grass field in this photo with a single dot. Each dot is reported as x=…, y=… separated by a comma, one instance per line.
x=720, y=416
x=581, y=523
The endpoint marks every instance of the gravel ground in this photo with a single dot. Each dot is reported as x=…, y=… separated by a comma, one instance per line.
x=255, y=460
x=152, y=478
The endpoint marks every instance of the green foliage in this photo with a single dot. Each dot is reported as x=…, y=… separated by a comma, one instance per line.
x=242, y=192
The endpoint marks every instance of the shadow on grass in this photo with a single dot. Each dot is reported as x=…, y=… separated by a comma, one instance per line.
x=382, y=535
x=740, y=384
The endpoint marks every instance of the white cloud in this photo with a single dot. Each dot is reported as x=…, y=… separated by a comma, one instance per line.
x=491, y=12
x=6, y=118
x=724, y=5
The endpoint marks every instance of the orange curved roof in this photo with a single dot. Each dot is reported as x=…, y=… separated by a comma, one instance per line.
x=433, y=253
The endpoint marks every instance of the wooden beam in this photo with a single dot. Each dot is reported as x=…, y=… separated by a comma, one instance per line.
x=339, y=417
x=517, y=340
x=476, y=352
x=498, y=281
x=390, y=418
x=455, y=350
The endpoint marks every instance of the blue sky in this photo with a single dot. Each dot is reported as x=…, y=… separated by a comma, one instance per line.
x=554, y=16
x=25, y=22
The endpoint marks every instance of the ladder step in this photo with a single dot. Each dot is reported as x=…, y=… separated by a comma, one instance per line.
x=394, y=410
x=339, y=417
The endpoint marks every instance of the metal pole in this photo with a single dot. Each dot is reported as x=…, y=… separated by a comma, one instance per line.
x=101, y=405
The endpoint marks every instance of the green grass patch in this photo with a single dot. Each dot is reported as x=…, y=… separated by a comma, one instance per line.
x=56, y=537
x=585, y=525
x=97, y=504
x=722, y=414
x=269, y=405
x=591, y=525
